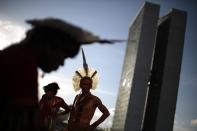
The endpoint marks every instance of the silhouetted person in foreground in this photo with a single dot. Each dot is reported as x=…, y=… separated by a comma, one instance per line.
x=46, y=45
x=50, y=105
x=85, y=104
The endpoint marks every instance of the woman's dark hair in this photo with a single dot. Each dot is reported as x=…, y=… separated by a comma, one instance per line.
x=51, y=87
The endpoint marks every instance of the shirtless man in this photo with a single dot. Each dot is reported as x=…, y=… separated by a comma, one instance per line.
x=85, y=104
x=50, y=105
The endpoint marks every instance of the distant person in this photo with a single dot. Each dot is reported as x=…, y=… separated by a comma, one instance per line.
x=50, y=106
x=46, y=45
x=85, y=104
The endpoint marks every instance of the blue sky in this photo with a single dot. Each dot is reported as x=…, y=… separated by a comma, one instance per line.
x=109, y=19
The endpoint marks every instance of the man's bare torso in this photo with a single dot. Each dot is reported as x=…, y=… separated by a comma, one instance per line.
x=83, y=110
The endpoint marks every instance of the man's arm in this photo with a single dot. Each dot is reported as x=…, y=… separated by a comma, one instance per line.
x=105, y=114
x=65, y=107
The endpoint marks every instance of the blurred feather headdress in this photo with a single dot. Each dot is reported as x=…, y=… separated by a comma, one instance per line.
x=85, y=72
x=74, y=32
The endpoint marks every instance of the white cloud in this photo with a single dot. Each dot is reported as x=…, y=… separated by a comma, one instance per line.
x=194, y=122
x=181, y=128
x=10, y=33
x=184, y=125
x=105, y=92
x=181, y=123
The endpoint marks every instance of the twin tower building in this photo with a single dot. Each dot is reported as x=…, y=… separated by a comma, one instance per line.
x=150, y=77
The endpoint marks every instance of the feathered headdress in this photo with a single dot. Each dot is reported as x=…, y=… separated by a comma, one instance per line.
x=74, y=32
x=85, y=72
